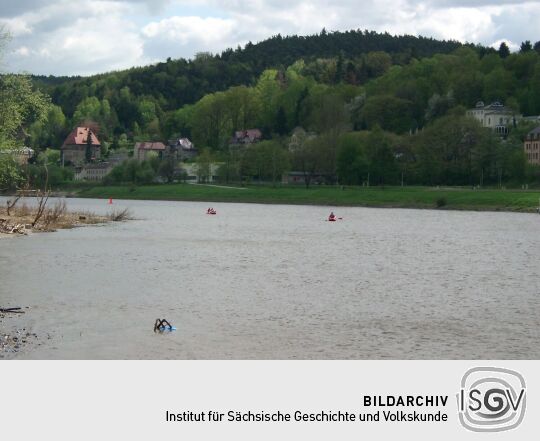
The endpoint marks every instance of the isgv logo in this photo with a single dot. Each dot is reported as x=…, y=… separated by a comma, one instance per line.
x=492, y=399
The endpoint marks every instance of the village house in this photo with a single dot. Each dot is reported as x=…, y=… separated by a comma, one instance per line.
x=96, y=171
x=246, y=137
x=75, y=146
x=182, y=149
x=532, y=146
x=495, y=116
x=92, y=172
x=142, y=150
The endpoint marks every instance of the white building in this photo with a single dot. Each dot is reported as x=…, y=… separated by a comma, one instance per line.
x=495, y=116
x=93, y=172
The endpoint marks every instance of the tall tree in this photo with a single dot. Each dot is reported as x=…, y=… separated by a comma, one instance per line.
x=526, y=46
x=20, y=106
x=504, y=50
x=281, y=122
x=89, y=143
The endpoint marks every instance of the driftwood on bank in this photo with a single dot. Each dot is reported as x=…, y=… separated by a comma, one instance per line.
x=11, y=310
x=7, y=228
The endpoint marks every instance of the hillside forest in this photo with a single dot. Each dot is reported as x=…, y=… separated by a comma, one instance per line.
x=354, y=108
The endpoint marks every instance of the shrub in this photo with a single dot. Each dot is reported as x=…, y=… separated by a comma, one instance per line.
x=133, y=172
x=120, y=215
x=441, y=202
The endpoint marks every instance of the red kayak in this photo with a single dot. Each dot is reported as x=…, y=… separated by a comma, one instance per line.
x=332, y=219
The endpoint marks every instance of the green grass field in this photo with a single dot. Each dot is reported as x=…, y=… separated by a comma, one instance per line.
x=406, y=197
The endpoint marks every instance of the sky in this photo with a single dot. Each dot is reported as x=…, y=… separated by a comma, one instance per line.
x=83, y=37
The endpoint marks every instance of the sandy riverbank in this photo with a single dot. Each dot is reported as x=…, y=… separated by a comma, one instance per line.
x=23, y=219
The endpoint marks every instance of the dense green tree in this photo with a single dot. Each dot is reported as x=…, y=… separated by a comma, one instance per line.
x=21, y=105
x=166, y=168
x=88, y=150
x=504, y=50
x=526, y=46
x=378, y=63
x=281, y=122
x=352, y=163
x=11, y=175
x=211, y=124
x=388, y=112
x=380, y=159
x=132, y=171
x=265, y=161
x=53, y=175
x=49, y=157
x=204, y=165
x=308, y=155
x=243, y=105
x=95, y=113
x=49, y=131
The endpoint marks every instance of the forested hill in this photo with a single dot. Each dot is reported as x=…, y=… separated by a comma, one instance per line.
x=283, y=51
x=175, y=83
x=351, y=107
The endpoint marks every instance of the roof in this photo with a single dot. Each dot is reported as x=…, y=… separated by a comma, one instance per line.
x=495, y=107
x=79, y=136
x=150, y=146
x=250, y=133
x=247, y=135
x=534, y=132
x=186, y=144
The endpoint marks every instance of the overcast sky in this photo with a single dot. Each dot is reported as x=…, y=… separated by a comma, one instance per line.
x=81, y=37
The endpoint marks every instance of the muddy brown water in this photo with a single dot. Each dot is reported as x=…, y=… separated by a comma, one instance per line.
x=279, y=282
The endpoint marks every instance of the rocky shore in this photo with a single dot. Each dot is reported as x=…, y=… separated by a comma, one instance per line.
x=14, y=338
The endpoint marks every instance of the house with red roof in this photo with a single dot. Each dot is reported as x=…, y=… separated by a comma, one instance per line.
x=249, y=136
x=77, y=143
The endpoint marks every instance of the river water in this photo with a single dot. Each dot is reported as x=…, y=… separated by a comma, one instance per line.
x=279, y=282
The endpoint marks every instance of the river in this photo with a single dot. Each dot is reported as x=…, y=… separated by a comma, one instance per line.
x=279, y=282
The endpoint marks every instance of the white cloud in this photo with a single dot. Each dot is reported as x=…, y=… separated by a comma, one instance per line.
x=511, y=45
x=185, y=29
x=89, y=36
x=23, y=51
x=67, y=38
x=183, y=36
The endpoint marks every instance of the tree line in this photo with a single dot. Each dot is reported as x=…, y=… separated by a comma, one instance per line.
x=339, y=114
